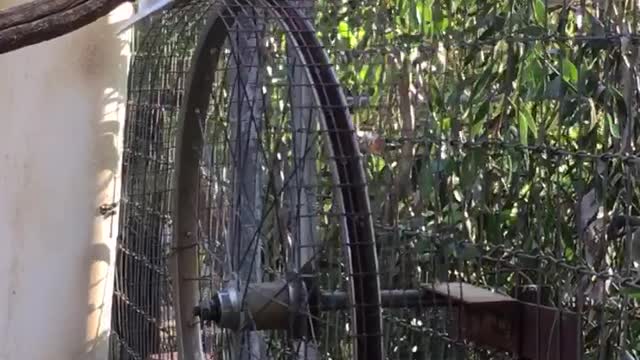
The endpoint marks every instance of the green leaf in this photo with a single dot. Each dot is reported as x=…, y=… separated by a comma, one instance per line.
x=480, y=118
x=631, y=292
x=440, y=22
x=533, y=76
x=364, y=71
x=613, y=128
x=569, y=71
x=345, y=32
x=343, y=29
x=531, y=124
x=593, y=114
x=377, y=163
x=425, y=17
x=539, y=11
x=427, y=182
x=523, y=128
x=568, y=253
x=482, y=81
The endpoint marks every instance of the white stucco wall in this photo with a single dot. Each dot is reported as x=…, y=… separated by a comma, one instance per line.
x=61, y=115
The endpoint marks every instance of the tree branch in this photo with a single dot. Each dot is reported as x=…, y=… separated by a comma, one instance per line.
x=33, y=11
x=42, y=20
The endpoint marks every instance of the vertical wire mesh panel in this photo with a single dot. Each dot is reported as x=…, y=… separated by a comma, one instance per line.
x=268, y=191
x=268, y=155
x=143, y=321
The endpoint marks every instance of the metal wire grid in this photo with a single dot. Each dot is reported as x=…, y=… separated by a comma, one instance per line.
x=152, y=255
x=142, y=321
x=496, y=208
x=500, y=137
x=269, y=186
x=291, y=168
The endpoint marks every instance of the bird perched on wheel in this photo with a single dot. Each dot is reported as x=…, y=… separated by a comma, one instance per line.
x=146, y=8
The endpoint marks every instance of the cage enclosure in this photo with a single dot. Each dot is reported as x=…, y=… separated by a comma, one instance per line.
x=380, y=180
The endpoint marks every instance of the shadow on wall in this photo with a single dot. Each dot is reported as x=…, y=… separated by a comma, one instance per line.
x=63, y=103
x=106, y=61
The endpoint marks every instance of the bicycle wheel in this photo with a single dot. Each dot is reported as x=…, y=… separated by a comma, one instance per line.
x=270, y=189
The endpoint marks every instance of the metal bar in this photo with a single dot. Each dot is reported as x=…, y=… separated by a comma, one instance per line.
x=394, y=299
x=245, y=125
x=548, y=333
x=488, y=318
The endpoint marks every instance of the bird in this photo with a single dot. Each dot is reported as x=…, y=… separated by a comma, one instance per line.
x=598, y=235
x=595, y=244
x=146, y=8
x=616, y=229
x=370, y=142
x=590, y=224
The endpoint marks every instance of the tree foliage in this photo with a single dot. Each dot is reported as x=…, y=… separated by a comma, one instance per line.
x=492, y=129
x=500, y=121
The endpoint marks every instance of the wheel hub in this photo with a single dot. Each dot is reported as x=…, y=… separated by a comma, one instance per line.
x=275, y=305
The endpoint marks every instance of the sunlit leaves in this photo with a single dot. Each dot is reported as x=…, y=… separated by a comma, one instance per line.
x=539, y=11
x=496, y=75
x=526, y=125
x=613, y=128
x=532, y=74
x=352, y=36
x=424, y=15
x=569, y=71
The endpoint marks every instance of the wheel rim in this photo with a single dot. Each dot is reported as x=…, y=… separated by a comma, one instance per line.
x=350, y=200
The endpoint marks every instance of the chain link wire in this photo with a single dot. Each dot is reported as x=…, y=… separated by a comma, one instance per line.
x=500, y=141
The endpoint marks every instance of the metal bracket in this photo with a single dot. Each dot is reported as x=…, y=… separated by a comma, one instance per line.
x=107, y=210
x=528, y=330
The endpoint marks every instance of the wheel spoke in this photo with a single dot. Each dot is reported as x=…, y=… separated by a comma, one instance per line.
x=269, y=186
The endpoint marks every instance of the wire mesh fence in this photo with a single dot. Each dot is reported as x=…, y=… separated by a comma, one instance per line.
x=142, y=321
x=498, y=141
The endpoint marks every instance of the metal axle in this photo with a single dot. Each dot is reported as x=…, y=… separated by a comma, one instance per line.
x=485, y=317
x=259, y=306
x=282, y=304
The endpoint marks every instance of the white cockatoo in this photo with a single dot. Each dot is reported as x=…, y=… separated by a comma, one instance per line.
x=146, y=8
